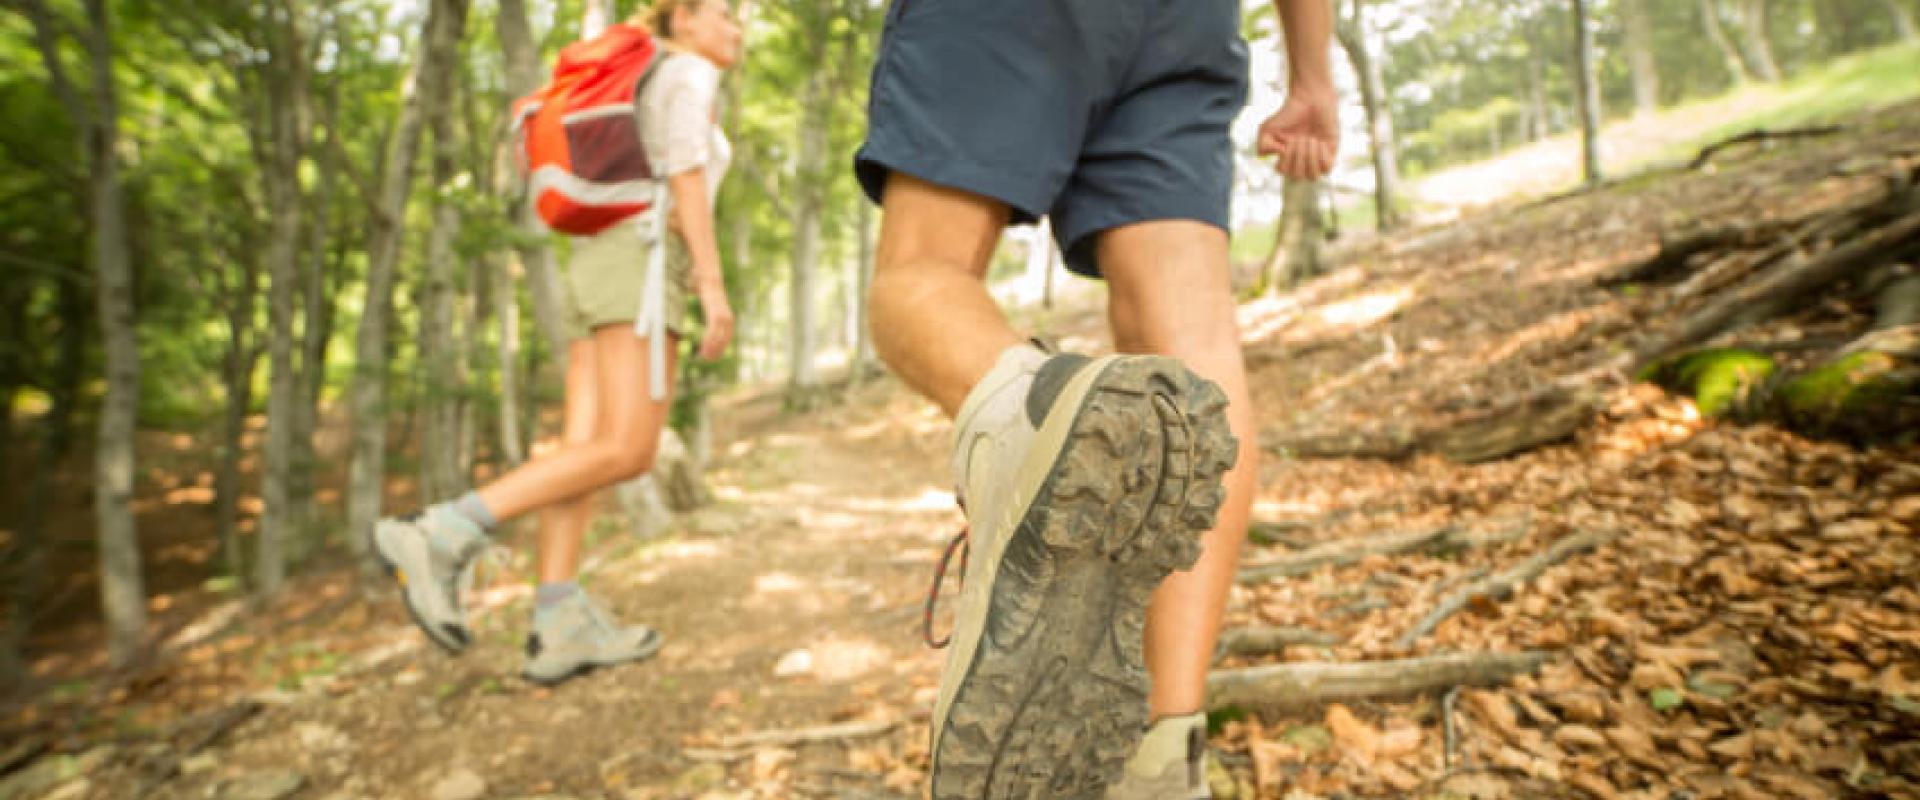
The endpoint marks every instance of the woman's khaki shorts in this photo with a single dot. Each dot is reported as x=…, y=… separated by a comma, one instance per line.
x=605, y=275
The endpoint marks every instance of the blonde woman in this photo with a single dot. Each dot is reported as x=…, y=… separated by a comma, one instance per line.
x=618, y=371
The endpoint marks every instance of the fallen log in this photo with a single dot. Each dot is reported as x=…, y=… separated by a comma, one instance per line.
x=1756, y=135
x=1500, y=584
x=1269, y=640
x=1789, y=279
x=1677, y=252
x=1542, y=417
x=1291, y=687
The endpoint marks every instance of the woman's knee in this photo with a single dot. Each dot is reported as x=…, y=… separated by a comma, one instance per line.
x=615, y=463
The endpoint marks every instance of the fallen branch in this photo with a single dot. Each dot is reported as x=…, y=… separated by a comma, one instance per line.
x=1676, y=252
x=823, y=733
x=1786, y=280
x=1341, y=553
x=1538, y=418
x=212, y=725
x=1760, y=135
x=1270, y=640
x=1501, y=584
x=1290, y=687
x=1440, y=539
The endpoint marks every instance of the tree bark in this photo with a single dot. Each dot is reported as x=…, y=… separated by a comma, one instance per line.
x=285, y=91
x=429, y=82
x=96, y=124
x=816, y=102
x=1640, y=55
x=1356, y=38
x=863, y=342
x=1296, y=252
x=1717, y=33
x=1902, y=20
x=316, y=326
x=439, y=355
x=1754, y=42
x=1589, y=92
x=523, y=75
x=242, y=356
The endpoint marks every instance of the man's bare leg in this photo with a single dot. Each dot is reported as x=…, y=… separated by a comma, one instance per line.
x=934, y=324
x=1171, y=296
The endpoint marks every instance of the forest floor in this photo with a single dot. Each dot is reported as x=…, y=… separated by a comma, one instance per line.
x=1746, y=623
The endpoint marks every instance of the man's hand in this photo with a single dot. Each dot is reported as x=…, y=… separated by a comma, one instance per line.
x=719, y=318
x=1304, y=135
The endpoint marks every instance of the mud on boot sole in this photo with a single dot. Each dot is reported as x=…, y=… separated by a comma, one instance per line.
x=1054, y=699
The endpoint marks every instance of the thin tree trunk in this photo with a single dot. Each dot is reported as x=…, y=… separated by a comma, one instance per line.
x=598, y=15
x=1539, y=122
x=1589, y=93
x=512, y=442
x=315, y=329
x=26, y=559
x=1640, y=55
x=815, y=101
x=439, y=355
x=1296, y=245
x=523, y=75
x=243, y=355
x=1754, y=42
x=863, y=341
x=1717, y=33
x=286, y=89
x=428, y=84
x=1356, y=39
x=122, y=589
x=1902, y=20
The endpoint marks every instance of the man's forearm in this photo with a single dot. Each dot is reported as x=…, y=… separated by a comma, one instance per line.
x=1309, y=30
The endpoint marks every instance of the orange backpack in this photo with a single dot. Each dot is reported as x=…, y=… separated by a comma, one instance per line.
x=579, y=139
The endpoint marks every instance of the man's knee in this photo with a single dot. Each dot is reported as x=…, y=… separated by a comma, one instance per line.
x=615, y=463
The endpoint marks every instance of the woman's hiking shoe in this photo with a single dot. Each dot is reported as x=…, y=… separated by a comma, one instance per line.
x=1171, y=763
x=576, y=635
x=426, y=554
x=1085, y=481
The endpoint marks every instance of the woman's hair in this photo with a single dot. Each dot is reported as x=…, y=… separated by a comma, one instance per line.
x=657, y=17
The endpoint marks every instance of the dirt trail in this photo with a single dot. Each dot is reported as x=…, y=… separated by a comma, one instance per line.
x=1682, y=658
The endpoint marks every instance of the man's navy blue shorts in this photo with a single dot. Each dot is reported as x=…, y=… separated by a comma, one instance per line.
x=1101, y=113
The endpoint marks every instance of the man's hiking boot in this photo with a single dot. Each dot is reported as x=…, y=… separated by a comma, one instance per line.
x=1171, y=763
x=427, y=553
x=576, y=636
x=1085, y=482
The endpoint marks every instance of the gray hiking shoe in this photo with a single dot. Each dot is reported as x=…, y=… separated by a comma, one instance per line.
x=576, y=636
x=1086, y=481
x=1171, y=763
x=429, y=570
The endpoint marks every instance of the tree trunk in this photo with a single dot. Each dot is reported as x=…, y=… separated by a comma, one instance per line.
x=439, y=354
x=243, y=355
x=512, y=442
x=1754, y=42
x=285, y=91
x=1357, y=40
x=1539, y=122
x=1717, y=33
x=1640, y=55
x=25, y=560
x=523, y=75
x=1902, y=20
x=316, y=328
x=863, y=341
x=1296, y=246
x=816, y=102
x=598, y=15
x=122, y=589
x=1589, y=93
x=428, y=84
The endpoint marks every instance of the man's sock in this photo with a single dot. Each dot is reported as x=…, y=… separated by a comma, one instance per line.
x=472, y=507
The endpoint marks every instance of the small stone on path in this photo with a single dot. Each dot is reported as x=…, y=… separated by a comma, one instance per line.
x=265, y=786
x=460, y=784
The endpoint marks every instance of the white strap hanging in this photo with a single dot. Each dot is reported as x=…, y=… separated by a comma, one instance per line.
x=651, y=321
